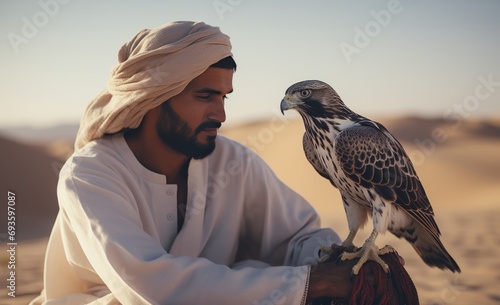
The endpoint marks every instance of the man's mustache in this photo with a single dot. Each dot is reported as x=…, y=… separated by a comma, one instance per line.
x=207, y=125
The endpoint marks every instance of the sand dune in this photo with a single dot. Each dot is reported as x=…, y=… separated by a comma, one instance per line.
x=458, y=163
x=31, y=173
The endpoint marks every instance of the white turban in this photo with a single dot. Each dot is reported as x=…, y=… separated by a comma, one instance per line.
x=154, y=66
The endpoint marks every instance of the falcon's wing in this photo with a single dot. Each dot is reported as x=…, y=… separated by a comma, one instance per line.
x=372, y=157
x=313, y=158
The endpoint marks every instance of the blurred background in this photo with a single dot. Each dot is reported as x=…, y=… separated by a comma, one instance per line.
x=428, y=70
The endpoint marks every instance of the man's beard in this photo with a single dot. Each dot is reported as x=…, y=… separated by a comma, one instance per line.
x=177, y=134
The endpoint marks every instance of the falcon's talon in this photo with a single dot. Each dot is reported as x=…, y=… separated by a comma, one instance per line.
x=326, y=249
x=370, y=251
x=324, y=258
x=327, y=253
x=349, y=256
x=336, y=251
x=386, y=249
x=350, y=248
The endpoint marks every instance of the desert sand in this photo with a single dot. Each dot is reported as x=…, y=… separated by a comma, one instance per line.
x=458, y=164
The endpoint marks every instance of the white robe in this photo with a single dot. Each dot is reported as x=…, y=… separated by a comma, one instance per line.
x=246, y=239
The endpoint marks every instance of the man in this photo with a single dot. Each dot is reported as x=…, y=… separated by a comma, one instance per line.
x=148, y=147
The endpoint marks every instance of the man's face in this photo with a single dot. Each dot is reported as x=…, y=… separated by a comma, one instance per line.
x=188, y=122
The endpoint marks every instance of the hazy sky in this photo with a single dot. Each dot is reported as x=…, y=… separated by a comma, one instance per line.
x=438, y=58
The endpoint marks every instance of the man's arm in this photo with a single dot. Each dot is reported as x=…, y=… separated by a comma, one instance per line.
x=281, y=223
x=135, y=267
x=285, y=224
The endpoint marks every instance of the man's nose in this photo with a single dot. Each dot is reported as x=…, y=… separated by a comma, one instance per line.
x=217, y=111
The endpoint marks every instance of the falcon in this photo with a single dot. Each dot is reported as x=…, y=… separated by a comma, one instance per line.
x=373, y=173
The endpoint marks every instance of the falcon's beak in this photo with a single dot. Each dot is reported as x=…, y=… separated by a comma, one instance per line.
x=288, y=103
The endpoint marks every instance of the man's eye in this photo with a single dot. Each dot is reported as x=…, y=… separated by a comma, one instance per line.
x=204, y=97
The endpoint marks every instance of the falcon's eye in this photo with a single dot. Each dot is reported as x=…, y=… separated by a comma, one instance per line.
x=305, y=93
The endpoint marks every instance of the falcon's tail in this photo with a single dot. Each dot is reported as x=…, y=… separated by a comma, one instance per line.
x=432, y=251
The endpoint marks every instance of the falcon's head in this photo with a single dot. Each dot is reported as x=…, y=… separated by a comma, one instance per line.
x=313, y=98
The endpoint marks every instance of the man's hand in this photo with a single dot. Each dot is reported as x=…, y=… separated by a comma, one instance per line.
x=334, y=279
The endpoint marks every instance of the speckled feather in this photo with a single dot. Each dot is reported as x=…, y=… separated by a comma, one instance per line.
x=372, y=158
